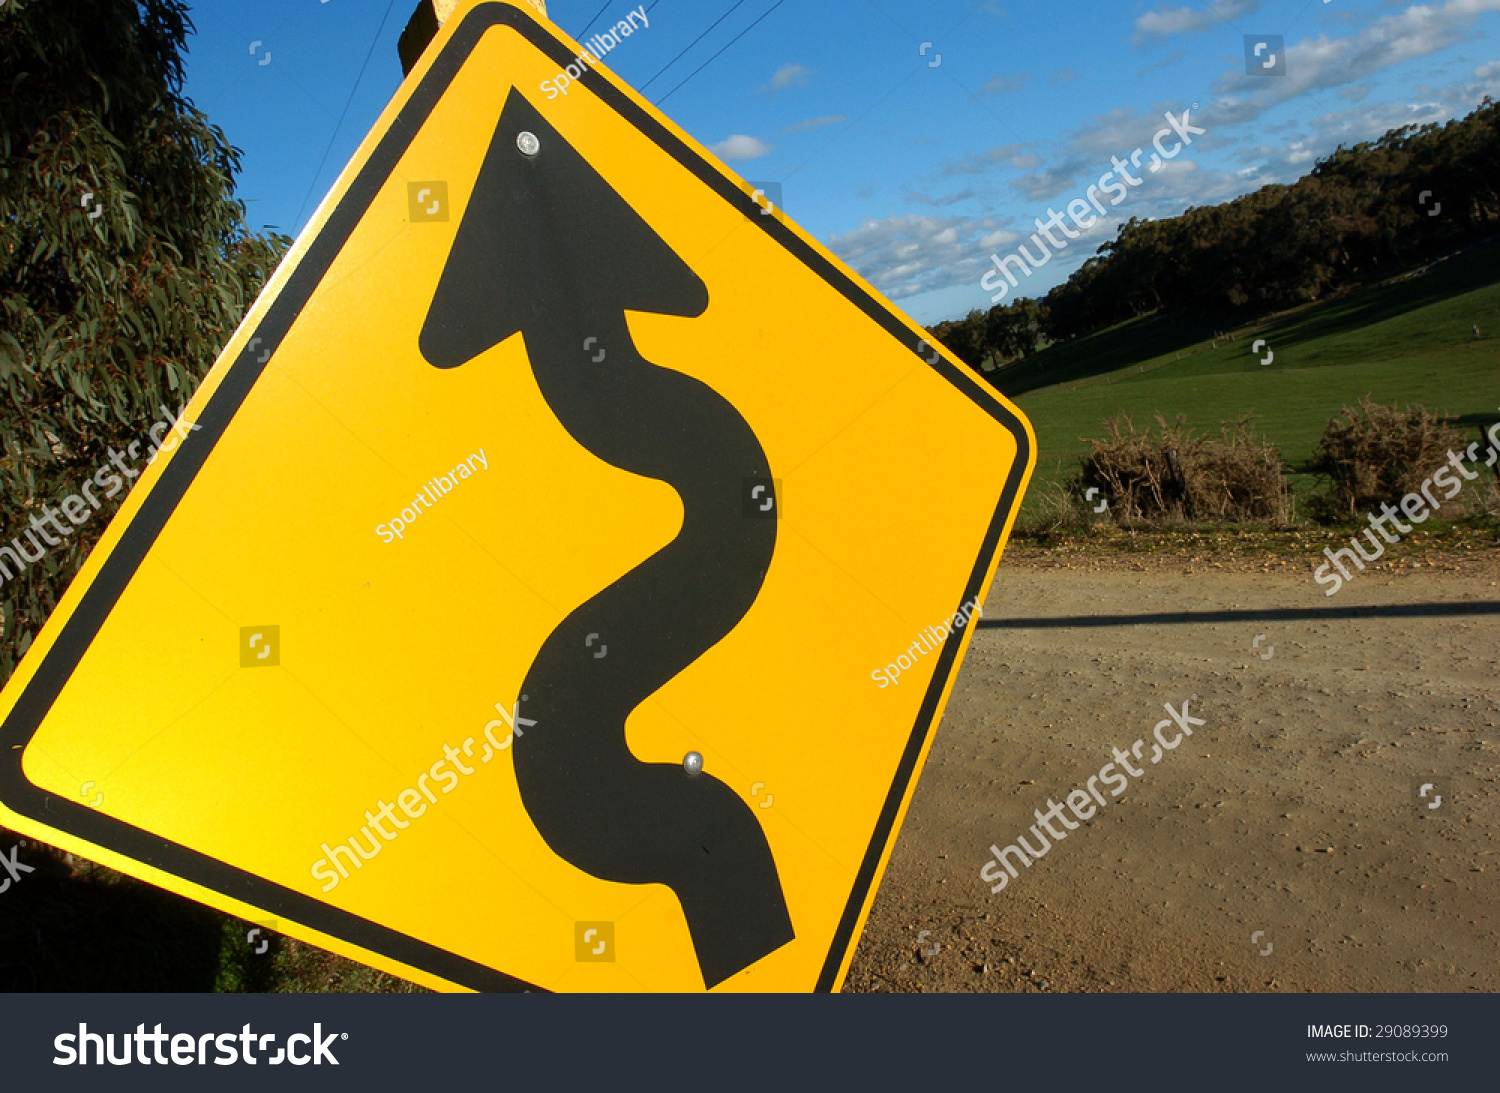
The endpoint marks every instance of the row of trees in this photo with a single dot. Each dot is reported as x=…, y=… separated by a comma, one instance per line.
x=1007, y=331
x=1363, y=212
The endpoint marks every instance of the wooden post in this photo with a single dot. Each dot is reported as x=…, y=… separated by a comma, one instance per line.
x=423, y=26
x=1484, y=442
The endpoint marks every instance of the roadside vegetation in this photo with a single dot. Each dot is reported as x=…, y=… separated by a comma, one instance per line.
x=1168, y=476
x=125, y=264
x=1297, y=355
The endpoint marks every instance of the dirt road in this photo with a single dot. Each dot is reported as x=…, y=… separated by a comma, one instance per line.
x=1291, y=815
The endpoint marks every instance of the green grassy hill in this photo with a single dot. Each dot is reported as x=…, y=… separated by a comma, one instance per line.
x=1408, y=340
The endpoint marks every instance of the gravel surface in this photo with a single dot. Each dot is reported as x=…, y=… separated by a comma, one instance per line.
x=1291, y=814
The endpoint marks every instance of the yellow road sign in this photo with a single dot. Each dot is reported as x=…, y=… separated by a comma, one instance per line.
x=565, y=579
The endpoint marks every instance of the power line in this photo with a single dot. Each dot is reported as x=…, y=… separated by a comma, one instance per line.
x=601, y=11
x=716, y=56
x=691, y=44
x=595, y=19
x=327, y=151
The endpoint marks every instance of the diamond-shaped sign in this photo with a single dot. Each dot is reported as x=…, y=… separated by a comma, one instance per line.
x=566, y=578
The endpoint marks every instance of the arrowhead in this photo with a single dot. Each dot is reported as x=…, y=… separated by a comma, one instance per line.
x=543, y=237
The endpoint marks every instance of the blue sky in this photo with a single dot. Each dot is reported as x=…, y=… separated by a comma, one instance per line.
x=914, y=165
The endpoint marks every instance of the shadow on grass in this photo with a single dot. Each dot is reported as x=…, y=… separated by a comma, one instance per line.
x=1108, y=350
x=1474, y=269
x=1152, y=336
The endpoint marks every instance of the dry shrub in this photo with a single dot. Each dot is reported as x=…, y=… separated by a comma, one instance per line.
x=1175, y=475
x=1052, y=509
x=1372, y=453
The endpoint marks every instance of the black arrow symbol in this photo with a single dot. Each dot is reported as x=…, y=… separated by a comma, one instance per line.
x=548, y=249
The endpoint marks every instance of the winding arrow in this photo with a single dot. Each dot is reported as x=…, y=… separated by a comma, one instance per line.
x=548, y=249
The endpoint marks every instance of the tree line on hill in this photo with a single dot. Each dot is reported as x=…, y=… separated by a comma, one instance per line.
x=1362, y=213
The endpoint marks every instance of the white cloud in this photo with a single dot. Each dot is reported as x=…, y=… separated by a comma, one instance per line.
x=906, y=256
x=1324, y=64
x=1301, y=149
x=1166, y=62
x=786, y=77
x=915, y=255
x=1155, y=25
x=1006, y=155
x=916, y=197
x=1050, y=181
x=1486, y=81
x=1353, y=126
x=740, y=146
x=1088, y=151
x=815, y=123
x=1118, y=131
x=1000, y=83
x=903, y=256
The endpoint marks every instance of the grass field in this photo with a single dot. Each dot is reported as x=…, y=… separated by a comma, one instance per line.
x=1406, y=341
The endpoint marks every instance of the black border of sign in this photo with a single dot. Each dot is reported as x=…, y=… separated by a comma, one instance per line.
x=20, y=795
